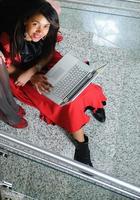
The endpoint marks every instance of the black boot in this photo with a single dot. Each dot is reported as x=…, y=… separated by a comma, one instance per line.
x=99, y=115
x=82, y=152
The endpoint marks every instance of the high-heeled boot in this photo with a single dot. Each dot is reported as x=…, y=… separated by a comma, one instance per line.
x=82, y=152
x=99, y=114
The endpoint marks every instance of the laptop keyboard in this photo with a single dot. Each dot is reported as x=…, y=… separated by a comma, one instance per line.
x=66, y=85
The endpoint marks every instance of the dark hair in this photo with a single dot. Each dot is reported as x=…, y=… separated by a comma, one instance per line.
x=10, y=11
x=17, y=34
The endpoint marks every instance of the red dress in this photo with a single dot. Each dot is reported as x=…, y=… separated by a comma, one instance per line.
x=72, y=116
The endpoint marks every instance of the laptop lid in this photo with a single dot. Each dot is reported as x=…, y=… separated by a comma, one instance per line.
x=70, y=77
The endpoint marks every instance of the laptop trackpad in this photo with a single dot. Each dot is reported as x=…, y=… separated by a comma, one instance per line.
x=54, y=75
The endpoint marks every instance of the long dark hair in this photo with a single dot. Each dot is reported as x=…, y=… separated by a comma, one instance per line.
x=49, y=42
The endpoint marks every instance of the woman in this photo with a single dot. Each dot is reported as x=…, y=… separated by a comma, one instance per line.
x=29, y=50
x=10, y=112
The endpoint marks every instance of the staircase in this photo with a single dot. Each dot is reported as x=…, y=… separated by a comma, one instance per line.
x=129, y=8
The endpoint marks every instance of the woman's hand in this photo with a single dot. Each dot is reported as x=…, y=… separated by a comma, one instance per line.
x=41, y=84
x=25, y=77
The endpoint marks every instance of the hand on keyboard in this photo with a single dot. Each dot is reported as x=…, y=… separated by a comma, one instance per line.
x=41, y=84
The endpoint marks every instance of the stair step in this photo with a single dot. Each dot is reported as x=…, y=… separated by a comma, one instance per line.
x=118, y=7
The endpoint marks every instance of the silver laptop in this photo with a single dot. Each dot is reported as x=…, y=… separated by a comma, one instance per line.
x=69, y=77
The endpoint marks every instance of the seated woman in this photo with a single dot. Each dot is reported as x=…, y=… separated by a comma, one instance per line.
x=28, y=50
x=10, y=112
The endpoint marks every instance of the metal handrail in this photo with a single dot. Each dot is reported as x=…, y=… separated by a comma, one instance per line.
x=6, y=184
x=121, y=186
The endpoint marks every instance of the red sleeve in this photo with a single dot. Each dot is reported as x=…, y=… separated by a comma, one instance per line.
x=4, y=40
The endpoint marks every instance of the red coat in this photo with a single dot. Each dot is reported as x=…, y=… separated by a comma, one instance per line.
x=72, y=116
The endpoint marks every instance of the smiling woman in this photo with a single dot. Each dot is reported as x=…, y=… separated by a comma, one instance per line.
x=36, y=28
x=29, y=51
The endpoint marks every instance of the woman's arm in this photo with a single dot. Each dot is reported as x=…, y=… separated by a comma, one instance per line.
x=24, y=77
x=39, y=81
x=11, y=69
x=28, y=74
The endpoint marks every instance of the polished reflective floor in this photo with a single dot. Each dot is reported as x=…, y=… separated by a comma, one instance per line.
x=112, y=30
x=114, y=144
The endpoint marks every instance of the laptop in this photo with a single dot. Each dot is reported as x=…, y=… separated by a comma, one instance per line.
x=69, y=77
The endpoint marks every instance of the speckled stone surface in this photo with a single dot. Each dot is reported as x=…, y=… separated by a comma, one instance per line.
x=45, y=183
x=7, y=194
x=114, y=144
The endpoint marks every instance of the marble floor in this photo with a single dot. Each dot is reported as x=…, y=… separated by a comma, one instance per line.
x=114, y=144
x=112, y=30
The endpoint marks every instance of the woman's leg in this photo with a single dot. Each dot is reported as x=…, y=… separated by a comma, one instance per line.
x=8, y=112
x=4, y=78
x=8, y=107
x=79, y=135
x=82, y=152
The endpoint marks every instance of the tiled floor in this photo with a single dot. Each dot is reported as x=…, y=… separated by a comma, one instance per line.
x=115, y=144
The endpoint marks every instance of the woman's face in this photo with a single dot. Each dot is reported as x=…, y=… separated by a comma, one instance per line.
x=36, y=28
